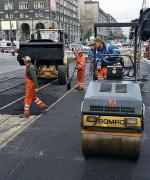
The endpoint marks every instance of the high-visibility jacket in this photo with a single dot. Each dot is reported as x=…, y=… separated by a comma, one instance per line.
x=101, y=60
x=81, y=61
x=31, y=74
x=81, y=66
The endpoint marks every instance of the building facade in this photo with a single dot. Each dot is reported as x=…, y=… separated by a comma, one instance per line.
x=90, y=13
x=115, y=32
x=23, y=17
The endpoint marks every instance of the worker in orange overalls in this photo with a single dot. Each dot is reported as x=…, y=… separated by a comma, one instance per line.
x=31, y=88
x=81, y=65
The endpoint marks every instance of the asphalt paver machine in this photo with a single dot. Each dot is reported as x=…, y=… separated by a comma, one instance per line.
x=112, y=113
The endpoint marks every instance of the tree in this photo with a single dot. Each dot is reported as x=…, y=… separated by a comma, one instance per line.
x=87, y=35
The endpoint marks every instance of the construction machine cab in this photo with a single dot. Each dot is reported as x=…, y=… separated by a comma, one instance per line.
x=53, y=35
x=133, y=60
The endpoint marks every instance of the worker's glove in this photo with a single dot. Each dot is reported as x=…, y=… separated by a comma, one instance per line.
x=79, y=66
x=99, y=68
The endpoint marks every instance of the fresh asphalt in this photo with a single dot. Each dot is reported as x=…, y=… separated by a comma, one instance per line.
x=50, y=149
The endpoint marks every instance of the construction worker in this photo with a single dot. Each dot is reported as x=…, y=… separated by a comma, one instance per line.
x=31, y=88
x=102, y=61
x=81, y=65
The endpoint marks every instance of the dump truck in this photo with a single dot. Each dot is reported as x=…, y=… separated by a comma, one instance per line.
x=46, y=49
x=112, y=112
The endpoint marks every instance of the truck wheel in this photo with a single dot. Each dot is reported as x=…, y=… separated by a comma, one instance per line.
x=62, y=74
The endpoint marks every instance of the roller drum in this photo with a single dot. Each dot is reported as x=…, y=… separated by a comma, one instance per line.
x=118, y=146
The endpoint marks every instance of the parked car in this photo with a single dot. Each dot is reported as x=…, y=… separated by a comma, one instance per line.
x=75, y=46
x=86, y=48
x=6, y=46
x=70, y=55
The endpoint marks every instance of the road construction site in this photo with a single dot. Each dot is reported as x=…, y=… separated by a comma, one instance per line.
x=48, y=146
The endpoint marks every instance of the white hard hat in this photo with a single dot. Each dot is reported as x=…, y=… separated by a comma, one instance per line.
x=27, y=58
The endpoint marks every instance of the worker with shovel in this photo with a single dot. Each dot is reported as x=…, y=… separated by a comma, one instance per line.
x=31, y=89
x=81, y=66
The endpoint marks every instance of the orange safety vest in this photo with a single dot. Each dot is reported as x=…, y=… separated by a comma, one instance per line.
x=81, y=63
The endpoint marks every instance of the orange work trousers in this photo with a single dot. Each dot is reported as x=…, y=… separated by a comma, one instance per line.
x=81, y=78
x=30, y=96
x=102, y=74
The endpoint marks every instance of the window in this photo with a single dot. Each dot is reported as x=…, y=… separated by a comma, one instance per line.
x=36, y=15
x=41, y=13
x=23, y=5
x=9, y=16
x=21, y=15
x=39, y=5
x=6, y=16
x=26, y=15
x=8, y=6
x=58, y=17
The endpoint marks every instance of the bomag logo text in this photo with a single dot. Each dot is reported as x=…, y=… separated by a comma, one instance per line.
x=106, y=121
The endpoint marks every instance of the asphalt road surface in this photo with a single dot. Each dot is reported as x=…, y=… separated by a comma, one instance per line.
x=8, y=63
x=50, y=149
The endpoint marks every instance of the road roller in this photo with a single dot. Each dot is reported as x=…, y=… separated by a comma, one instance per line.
x=112, y=112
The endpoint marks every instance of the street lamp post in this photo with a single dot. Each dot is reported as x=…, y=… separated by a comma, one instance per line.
x=1, y=22
x=16, y=19
x=11, y=32
x=49, y=6
x=31, y=11
x=81, y=34
x=39, y=16
x=9, y=16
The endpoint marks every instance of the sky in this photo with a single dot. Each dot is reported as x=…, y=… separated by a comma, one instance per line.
x=122, y=10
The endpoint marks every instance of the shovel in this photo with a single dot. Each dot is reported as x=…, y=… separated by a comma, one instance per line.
x=69, y=84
